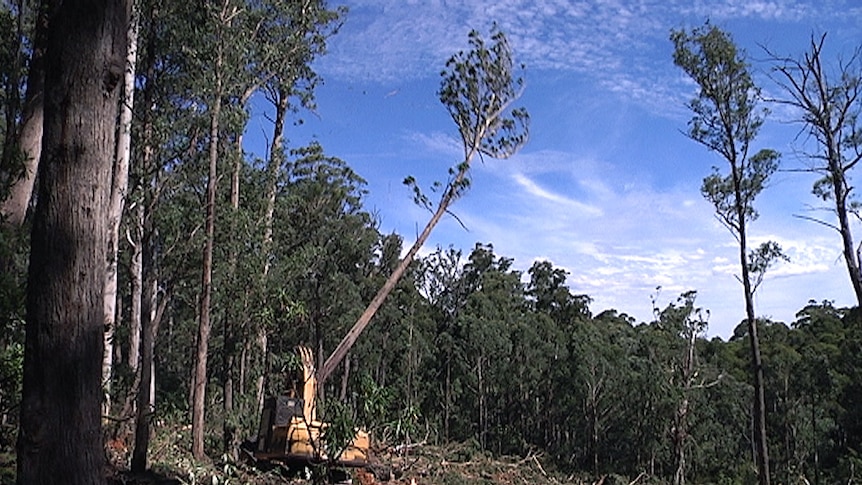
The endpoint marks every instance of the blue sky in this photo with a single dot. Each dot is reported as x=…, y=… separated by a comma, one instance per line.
x=608, y=187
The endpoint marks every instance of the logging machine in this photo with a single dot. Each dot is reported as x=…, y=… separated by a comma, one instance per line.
x=291, y=433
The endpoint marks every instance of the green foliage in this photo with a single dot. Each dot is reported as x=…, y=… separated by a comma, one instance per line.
x=744, y=184
x=340, y=429
x=725, y=109
x=478, y=88
x=726, y=120
x=762, y=258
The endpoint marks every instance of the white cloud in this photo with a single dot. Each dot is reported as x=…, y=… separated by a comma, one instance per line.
x=532, y=189
x=439, y=143
x=611, y=41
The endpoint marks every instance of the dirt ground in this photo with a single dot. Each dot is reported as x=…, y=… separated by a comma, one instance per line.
x=405, y=465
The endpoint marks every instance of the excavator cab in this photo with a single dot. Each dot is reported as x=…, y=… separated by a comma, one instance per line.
x=290, y=431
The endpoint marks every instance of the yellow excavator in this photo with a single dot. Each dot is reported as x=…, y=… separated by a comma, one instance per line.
x=291, y=433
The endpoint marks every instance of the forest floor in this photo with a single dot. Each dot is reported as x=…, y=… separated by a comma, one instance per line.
x=457, y=464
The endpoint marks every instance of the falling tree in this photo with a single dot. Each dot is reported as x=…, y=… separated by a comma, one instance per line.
x=478, y=89
x=726, y=121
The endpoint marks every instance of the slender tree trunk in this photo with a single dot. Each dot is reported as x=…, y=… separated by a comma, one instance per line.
x=840, y=193
x=204, y=324
x=142, y=231
x=760, y=437
x=448, y=400
x=29, y=136
x=239, y=309
x=136, y=282
x=483, y=419
x=119, y=187
x=682, y=411
x=145, y=403
x=276, y=160
x=60, y=434
x=345, y=378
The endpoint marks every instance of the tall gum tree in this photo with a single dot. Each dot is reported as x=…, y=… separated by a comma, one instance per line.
x=289, y=49
x=60, y=433
x=726, y=121
x=478, y=89
x=224, y=17
x=830, y=104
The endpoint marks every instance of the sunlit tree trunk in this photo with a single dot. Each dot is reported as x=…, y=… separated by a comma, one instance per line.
x=119, y=188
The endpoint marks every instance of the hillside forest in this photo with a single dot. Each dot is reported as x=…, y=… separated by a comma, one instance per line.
x=156, y=278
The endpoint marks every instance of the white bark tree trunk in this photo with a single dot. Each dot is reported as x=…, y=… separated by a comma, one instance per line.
x=119, y=188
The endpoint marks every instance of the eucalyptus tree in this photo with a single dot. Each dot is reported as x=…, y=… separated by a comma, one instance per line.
x=830, y=104
x=321, y=256
x=161, y=248
x=600, y=372
x=494, y=307
x=681, y=324
x=726, y=121
x=225, y=49
x=439, y=280
x=60, y=434
x=290, y=37
x=478, y=89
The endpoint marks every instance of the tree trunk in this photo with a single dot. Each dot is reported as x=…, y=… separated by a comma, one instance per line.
x=369, y=312
x=238, y=310
x=145, y=404
x=119, y=187
x=60, y=429
x=14, y=208
x=760, y=436
x=276, y=160
x=345, y=379
x=204, y=324
x=136, y=277
x=841, y=192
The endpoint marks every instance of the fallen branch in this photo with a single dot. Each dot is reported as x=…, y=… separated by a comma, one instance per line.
x=408, y=446
x=643, y=474
x=536, y=460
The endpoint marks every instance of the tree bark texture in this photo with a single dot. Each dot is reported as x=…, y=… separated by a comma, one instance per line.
x=60, y=436
x=145, y=402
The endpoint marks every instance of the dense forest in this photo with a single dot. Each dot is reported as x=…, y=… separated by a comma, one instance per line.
x=218, y=263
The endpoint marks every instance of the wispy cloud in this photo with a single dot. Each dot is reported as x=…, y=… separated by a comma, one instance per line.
x=614, y=42
x=538, y=193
